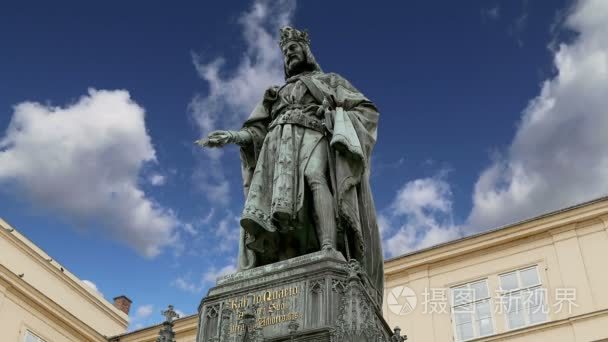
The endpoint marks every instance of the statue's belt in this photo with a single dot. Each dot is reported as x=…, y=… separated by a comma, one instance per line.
x=297, y=117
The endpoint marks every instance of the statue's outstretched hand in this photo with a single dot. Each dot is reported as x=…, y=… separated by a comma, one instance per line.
x=216, y=139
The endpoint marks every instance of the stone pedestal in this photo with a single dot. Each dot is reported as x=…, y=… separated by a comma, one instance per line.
x=315, y=297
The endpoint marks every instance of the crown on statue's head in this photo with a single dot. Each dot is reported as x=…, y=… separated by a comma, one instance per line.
x=290, y=34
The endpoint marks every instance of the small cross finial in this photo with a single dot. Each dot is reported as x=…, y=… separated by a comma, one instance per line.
x=397, y=335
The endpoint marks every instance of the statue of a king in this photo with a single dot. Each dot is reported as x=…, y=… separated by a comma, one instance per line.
x=305, y=154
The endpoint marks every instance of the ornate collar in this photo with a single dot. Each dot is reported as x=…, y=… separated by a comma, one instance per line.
x=300, y=75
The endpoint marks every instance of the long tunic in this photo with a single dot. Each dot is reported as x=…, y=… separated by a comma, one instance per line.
x=275, y=202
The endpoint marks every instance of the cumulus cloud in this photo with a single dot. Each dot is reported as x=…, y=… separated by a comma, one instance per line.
x=210, y=178
x=144, y=311
x=558, y=156
x=232, y=97
x=420, y=216
x=213, y=273
x=141, y=317
x=232, y=94
x=185, y=283
x=227, y=231
x=188, y=284
x=180, y=313
x=157, y=179
x=491, y=13
x=192, y=228
x=83, y=161
x=518, y=26
x=92, y=286
x=189, y=228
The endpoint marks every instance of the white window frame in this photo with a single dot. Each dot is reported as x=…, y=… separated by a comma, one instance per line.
x=28, y=332
x=474, y=317
x=520, y=289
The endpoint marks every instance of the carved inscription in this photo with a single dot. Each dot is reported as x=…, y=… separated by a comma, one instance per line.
x=269, y=307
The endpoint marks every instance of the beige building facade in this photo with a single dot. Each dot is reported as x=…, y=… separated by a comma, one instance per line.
x=184, y=328
x=40, y=300
x=543, y=279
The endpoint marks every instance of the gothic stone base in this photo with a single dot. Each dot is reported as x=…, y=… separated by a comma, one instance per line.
x=315, y=297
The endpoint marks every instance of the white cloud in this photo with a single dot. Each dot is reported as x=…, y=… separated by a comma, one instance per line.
x=83, y=161
x=186, y=284
x=518, y=26
x=558, y=156
x=144, y=311
x=157, y=179
x=142, y=317
x=383, y=225
x=432, y=194
x=180, y=313
x=92, y=286
x=189, y=228
x=213, y=273
x=420, y=216
x=210, y=178
x=232, y=95
x=227, y=231
x=192, y=228
x=210, y=215
x=491, y=13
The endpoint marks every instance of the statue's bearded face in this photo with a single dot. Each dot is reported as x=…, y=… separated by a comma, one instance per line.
x=293, y=56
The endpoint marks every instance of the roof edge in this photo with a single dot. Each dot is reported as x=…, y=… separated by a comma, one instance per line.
x=499, y=229
x=62, y=272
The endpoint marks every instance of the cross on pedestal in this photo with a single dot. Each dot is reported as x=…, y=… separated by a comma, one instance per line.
x=169, y=314
x=397, y=336
x=166, y=333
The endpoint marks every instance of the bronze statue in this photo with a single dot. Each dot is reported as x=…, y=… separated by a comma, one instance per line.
x=305, y=153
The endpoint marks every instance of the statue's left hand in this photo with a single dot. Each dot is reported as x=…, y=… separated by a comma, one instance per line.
x=324, y=107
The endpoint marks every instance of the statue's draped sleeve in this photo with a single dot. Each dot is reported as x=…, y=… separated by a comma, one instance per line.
x=257, y=127
x=354, y=124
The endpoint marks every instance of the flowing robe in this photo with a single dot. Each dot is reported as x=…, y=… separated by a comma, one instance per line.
x=285, y=132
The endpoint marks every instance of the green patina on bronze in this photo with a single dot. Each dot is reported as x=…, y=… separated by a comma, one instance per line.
x=305, y=152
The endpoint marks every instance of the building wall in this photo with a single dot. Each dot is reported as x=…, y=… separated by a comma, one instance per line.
x=40, y=295
x=185, y=331
x=570, y=249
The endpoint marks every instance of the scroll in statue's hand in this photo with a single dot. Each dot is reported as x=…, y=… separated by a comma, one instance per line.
x=215, y=139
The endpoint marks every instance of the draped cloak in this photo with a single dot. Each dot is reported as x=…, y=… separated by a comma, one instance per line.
x=278, y=203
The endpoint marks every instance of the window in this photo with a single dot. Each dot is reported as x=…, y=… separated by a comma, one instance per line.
x=471, y=310
x=30, y=337
x=522, y=298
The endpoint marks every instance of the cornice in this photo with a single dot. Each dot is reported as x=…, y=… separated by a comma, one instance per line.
x=40, y=257
x=181, y=325
x=22, y=289
x=563, y=220
x=604, y=219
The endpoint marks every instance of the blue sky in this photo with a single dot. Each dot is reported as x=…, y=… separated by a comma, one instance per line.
x=491, y=112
